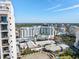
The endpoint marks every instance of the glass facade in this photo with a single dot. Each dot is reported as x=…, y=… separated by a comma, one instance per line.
x=4, y=34
x=4, y=19
x=4, y=27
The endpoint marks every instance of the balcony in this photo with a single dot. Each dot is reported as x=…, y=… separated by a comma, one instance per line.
x=6, y=56
x=3, y=8
x=5, y=50
x=2, y=23
x=3, y=19
x=5, y=43
x=4, y=34
x=4, y=27
x=5, y=38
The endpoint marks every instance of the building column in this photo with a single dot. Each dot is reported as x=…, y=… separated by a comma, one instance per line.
x=1, y=50
x=21, y=33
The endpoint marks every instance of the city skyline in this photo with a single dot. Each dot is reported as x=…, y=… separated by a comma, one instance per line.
x=46, y=11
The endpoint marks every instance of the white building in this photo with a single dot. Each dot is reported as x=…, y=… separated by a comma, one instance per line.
x=40, y=32
x=76, y=44
x=72, y=30
x=62, y=30
x=7, y=31
x=26, y=32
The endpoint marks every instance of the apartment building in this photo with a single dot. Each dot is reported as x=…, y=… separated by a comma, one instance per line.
x=7, y=31
x=39, y=32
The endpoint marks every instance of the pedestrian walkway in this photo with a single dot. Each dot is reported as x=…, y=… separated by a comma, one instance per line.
x=37, y=56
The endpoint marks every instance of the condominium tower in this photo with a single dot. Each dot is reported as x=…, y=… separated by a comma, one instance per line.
x=41, y=32
x=7, y=31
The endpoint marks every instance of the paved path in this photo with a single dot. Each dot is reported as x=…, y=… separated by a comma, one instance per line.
x=37, y=56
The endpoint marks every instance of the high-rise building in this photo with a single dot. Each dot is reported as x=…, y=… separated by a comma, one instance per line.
x=41, y=32
x=7, y=31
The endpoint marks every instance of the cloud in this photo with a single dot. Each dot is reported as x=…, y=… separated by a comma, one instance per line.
x=68, y=8
x=51, y=8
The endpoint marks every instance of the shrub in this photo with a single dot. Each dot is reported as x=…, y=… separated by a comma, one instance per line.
x=27, y=51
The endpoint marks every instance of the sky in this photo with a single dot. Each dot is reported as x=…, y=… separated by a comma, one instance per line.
x=46, y=11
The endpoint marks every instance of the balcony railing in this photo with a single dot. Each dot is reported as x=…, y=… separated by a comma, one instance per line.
x=5, y=50
x=3, y=19
x=6, y=56
x=4, y=34
x=5, y=43
x=4, y=27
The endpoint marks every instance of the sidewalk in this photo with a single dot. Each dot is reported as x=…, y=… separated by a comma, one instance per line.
x=36, y=56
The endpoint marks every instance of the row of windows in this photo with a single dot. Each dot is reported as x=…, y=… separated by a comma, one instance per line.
x=4, y=7
x=46, y=31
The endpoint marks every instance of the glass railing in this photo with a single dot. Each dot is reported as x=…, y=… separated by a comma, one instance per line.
x=4, y=27
x=5, y=43
x=4, y=34
x=3, y=19
x=6, y=56
x=5, y=50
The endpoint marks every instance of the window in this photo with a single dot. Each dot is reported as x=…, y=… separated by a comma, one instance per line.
x=4, y=27
x=45, y=31
x=5, y=42
x=0, y=7
x=4, y=19
x=4, y=34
